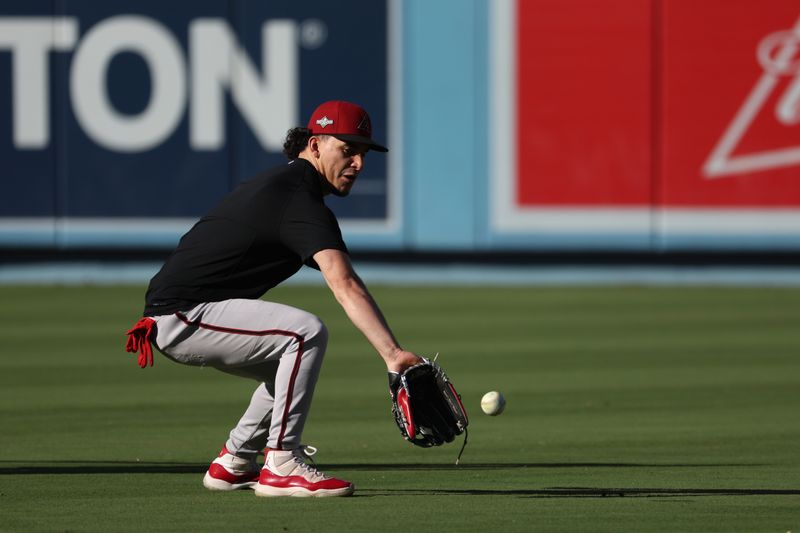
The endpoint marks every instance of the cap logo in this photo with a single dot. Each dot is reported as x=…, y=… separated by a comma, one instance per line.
x=324, y=121
x=365, y=125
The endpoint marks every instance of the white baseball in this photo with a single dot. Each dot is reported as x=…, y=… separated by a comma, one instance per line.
x=493, y=403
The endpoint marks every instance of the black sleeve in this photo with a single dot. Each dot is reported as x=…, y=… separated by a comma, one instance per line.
x=308, y=226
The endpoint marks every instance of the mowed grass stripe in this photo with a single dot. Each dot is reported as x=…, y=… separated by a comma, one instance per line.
x=630, y=409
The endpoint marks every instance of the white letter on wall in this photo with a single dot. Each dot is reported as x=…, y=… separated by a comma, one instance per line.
x=93, y=109
x=30, y=39
x=268, y=102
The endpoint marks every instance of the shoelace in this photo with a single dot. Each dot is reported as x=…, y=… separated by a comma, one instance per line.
x=304, y=453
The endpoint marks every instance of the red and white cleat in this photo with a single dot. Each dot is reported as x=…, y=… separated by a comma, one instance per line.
x=229, y=472
x=286, y=473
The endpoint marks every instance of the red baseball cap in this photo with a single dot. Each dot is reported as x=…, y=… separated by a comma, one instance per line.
x=345, y=121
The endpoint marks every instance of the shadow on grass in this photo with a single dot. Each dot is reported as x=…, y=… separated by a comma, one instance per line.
x=580, y=492
x=136, y=467
x=8, y=467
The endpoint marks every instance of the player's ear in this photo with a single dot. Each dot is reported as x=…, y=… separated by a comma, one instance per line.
x=313, y=145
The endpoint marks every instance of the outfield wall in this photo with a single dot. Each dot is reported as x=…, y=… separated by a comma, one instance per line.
x=513, y=125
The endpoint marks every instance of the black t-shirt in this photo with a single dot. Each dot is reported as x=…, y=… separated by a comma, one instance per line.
x=258, y=236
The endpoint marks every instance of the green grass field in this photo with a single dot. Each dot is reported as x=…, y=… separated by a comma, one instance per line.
x=629, y=409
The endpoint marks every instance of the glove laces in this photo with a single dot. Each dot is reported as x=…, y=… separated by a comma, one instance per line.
x=463, y=445
x=466, y=433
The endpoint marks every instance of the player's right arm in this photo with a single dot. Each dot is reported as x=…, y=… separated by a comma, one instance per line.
x=361, y=308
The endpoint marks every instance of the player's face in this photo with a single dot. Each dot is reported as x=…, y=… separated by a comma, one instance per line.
x=340, y=162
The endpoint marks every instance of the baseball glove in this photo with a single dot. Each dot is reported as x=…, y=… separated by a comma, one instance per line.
x=426, y=406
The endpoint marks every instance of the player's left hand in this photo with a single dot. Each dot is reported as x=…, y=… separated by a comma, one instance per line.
x=402, y=361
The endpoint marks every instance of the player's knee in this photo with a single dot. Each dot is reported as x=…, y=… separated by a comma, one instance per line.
x=317, y=332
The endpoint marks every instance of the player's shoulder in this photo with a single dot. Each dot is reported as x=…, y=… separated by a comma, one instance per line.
x=293, y=175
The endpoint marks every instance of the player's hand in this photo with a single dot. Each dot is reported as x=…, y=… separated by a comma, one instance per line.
x=403, y=360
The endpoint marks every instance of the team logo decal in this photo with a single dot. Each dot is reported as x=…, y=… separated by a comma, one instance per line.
x=365, y=125
x=324, y=121
x=777, y=56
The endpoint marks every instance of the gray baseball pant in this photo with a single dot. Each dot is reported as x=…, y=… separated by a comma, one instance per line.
x=280, y=346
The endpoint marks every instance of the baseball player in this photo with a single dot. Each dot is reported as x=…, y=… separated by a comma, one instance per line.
x=203, y=307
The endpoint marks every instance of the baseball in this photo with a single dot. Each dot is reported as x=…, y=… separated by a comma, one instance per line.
x=493, y=403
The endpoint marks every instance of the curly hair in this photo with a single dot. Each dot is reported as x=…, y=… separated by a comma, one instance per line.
x=296, y=141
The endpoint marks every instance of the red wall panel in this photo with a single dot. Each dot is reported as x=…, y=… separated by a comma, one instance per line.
x=584, y=102
x=659, y=104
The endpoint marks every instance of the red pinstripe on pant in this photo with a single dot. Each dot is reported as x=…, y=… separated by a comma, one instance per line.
x=295, y=368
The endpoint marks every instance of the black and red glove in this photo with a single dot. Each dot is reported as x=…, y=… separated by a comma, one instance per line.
x=426, y=406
